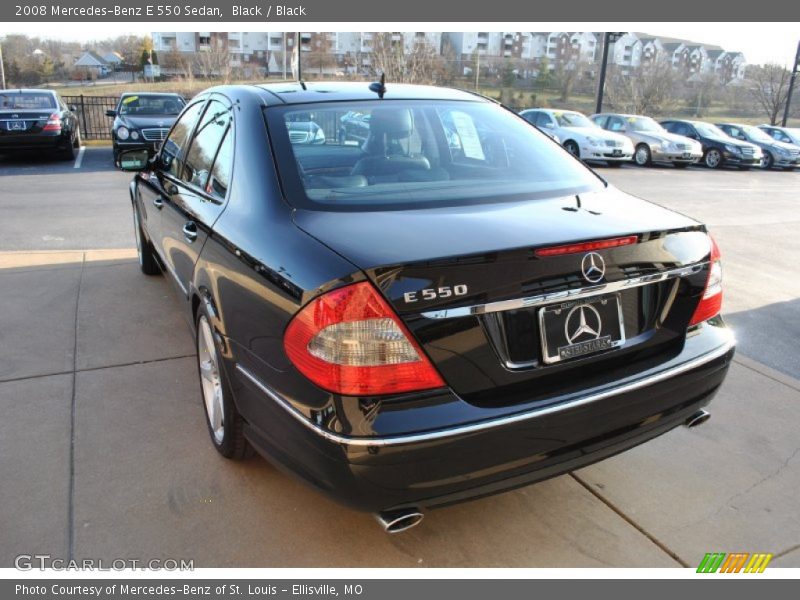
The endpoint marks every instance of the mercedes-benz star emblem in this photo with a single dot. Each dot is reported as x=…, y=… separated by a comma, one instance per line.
x=593, y=267
x=583, y=321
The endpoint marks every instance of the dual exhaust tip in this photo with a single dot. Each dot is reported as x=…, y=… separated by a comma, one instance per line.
x=403, y=519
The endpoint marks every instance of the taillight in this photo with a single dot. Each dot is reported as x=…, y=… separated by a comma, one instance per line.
x=53, y=123
x=349, y=341
x=711, y=302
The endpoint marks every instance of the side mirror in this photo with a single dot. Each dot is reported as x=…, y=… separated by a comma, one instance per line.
x=550, y=125
x=72, y=107
x=134, y=159
x=111, y=113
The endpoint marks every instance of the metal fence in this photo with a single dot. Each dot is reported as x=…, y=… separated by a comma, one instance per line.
x=91, y=111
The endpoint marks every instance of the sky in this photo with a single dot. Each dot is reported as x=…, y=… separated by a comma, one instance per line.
x=760, y=42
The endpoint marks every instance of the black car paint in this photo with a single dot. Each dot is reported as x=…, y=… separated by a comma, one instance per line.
x=34, y=138
x=139, y=122
x=709, y=142
x=254, y=264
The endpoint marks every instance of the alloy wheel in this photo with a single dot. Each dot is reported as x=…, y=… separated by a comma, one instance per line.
x=713, y=159
x=210, y=379
x=642, y=156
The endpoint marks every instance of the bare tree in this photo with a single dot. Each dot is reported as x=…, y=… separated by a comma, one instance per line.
x=321, y=56
x=568, y=74
x=650, y=89
x=421, y=64
x=214, y=62
x=769, y=88
x=704, y=89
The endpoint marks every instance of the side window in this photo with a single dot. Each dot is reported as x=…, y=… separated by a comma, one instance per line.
x=220, y=178
x=544, y=120
x=176, y=141
x=531, y=117
x=615, y=124
x=207, y=138
x=601, y=121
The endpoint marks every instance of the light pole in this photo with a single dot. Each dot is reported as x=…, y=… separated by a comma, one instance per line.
x=792, y=80
x=2, y=70
x=609, y=38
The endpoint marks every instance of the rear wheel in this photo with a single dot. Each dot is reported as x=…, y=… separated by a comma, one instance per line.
x=572, y=148
x=768, y=162
x=68, y=153
x=147, y=258
x=225, y=424
x=642, y=156
x=713, y=158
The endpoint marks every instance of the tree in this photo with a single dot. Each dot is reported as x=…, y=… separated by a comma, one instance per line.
x=704, y=89
x=569, y=74
x=320, y=57
x=421, y=64
x=769, y=88
x=650, y=89
x=215, y=62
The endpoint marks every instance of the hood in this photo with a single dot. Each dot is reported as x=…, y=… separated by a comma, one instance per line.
x=145, y=121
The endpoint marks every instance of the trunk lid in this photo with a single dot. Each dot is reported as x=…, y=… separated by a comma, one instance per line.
x=469, y=284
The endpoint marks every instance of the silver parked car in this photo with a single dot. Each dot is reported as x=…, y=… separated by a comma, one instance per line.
x=651, y=141
x=580, y=136
x=777, y=155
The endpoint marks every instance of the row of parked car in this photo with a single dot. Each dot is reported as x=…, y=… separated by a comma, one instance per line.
x=39, y=119
x=618, y=138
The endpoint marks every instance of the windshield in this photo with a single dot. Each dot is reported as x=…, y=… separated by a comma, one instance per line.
x=150, y=105
x=412, y=153
x=755, y=134
x=645, y=124
x=709, y=130
x=573, y=119
x=27, y=100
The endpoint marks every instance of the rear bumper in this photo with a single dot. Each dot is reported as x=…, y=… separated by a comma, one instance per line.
x=447, y=465
x=41, y=141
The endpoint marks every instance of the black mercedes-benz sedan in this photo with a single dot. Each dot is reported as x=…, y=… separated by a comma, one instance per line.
x=453, y=308
x=37, y=120
x=142, y=120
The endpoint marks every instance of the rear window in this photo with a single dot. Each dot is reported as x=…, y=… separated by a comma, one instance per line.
x=29, y=100
x=392, y=154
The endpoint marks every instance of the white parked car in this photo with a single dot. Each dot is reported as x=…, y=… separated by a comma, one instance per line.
x=580, y=136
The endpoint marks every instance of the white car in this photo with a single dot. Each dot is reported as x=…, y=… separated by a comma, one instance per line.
x=580, y=136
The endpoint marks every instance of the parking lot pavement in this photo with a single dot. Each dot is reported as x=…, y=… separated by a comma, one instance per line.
x=105, y=452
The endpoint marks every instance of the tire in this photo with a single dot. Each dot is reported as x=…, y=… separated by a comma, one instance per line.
x=680, y=165
x=642, y=156
x=77, y=141
x=115, y=153
x=712, y=158
x=614, y=164
x=768, y=162
x=68, y=153
x=147, y=257
x=225, y=424
x=571, y=147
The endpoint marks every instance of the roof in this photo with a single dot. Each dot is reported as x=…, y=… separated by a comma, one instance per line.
x=310, y=92
x=126, y=94
x=27, y=91
x=90, y=59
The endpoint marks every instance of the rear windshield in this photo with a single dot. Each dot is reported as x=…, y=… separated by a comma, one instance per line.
x=395, y=154
x=30, y=100
x=150, y=105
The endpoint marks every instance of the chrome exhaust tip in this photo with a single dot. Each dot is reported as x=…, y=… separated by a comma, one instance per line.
x=402, y=519
x=698, y=418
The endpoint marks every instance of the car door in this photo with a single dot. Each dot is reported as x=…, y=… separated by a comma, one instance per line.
x=196, y=197
x=152, y=187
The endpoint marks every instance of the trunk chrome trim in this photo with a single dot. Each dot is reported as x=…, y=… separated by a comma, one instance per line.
x=573, y=294
x=430, y=436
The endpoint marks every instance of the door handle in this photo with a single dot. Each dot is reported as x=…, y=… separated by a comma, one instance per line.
x=158, y=202
x=190, y=231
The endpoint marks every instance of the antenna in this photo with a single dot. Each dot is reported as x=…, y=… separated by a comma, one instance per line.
x=379, y=87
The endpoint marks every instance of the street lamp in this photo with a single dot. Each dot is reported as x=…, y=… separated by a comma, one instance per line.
x=791, y=86
x=610, y=38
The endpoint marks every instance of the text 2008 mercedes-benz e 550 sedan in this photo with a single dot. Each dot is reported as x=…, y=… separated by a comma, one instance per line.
x=450, y=308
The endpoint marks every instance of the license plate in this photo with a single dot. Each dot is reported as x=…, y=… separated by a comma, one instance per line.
x=581, y=327
x=617, y=153
x=15, y=125
x=687, y=155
